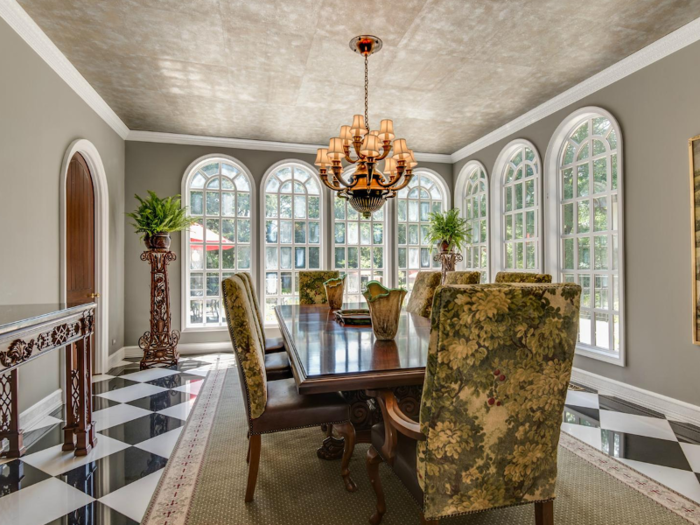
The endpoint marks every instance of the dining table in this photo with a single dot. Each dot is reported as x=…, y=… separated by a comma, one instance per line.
x=327, y=356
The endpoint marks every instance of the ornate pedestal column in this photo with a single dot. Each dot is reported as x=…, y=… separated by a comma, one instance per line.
x=448, y=261
x=159, y=345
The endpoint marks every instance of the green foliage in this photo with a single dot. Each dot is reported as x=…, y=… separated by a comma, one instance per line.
x=156, y=215
x=450, y=227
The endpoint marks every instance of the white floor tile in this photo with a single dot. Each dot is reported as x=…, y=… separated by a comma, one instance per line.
x=639, y=425
x=190, y=388
x=54, y=461
x=588, y=435
x=201, y=371
x=46, y=421
x=117, y=415
x=101, y=377
x=681, y=481
x=130, y=393
x=582, y=399
x=180, y=411
x=132, y=500
x=123, y=363
x=162, y=445
x=692, y=454
x=150, y=375
x=41, y=503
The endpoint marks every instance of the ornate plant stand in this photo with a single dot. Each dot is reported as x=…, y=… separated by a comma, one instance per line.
x=159, y=345
x=448, y=261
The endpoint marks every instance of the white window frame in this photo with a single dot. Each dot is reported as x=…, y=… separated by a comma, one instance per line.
x=185, y=237
x=498, y=206
x=553, y=257
x=324, y=203
x=446, y=201
x=463, y=179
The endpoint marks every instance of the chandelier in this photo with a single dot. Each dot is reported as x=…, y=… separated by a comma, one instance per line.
x=368, y=187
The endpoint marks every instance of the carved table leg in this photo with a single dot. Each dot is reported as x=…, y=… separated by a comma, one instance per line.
x=363, y=414
x=9, y=415
x=86, y=428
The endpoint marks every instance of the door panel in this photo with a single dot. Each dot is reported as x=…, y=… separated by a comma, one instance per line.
x=80, y=232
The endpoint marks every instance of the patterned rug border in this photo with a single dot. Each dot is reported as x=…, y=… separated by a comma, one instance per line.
x=172, y=498
x=661, y=494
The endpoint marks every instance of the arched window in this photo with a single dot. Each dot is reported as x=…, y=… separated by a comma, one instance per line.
x=425, y=193
x=473, y=188
x=359, y=246
x=587, y=215
x=520, y=232
x=293, y=208
x=219, y=192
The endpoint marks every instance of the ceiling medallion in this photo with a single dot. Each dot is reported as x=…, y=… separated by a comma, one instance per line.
x=368, y=187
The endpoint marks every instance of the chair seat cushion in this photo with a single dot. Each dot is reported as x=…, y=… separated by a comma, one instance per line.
x=287, y=409
x=404, y=462
x=274, y=345
x=277, y=366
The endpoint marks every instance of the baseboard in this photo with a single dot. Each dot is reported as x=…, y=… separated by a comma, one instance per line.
x=673, y=409
x=38, y=411
x=184, y=349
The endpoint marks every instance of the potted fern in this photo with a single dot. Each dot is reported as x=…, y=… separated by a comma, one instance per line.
x=156, y=218
x=449, y=230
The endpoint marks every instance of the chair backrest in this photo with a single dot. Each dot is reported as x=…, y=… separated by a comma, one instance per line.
x=462, y=278
x=421, y=300
x=250, y=287
x=522, y=277
x=247, y=344
x=311, y=290
x=499, y=364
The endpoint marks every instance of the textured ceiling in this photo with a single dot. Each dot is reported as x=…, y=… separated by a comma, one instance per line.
x=450, y=70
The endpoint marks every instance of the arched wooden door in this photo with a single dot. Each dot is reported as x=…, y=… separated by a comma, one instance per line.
x=80, y=233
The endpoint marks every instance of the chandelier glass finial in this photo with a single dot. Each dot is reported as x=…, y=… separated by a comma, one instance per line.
x=369, y=187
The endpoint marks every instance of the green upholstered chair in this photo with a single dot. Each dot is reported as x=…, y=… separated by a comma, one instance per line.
x=421, y=300
x=462, y=278
x=275, y=406
x=522, y=277
x=311, y=290
x=499, y=363
x=272, y=344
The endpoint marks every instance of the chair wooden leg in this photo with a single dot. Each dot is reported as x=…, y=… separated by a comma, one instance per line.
x=247, y=456
x=423, y=521
x=347, y=431
x=373, y=460
x=253, y=463
x=544, y=513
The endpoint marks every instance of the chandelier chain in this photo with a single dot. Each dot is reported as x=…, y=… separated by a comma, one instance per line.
x=367, y=93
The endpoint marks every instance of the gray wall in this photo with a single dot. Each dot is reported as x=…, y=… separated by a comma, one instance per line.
x=39, y=118
x=658, y=111
x=160, y=168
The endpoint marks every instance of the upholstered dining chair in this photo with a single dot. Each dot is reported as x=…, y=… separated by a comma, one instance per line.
x=492, y=401
x=277, y=365
x=311, y=290
x=272, y=344
x=421, y=300
x=276, y=406
x=522, y=277
x=460, y=277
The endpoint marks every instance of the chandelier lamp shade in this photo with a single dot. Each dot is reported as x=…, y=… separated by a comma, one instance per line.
x=369, y=186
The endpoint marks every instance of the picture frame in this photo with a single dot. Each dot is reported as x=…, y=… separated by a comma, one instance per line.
x=694, y=160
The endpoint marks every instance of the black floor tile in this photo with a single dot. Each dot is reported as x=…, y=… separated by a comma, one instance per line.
x=126, y=369
x=100, y=403
x=686, y=432
x=104, y=476
x=44, y=438
x=95, y=513
x=646, y=449
x=17, y=475
x=162, y=400
x=108, y=385
x=143, y=428
x=618, y=405
x=590, y=415
x=175, y=380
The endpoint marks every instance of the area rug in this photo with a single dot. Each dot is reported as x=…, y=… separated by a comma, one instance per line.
x=204, y=480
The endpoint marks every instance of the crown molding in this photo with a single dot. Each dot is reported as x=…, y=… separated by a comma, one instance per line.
x=262, y=145
x=18, y=19
x=675, y=41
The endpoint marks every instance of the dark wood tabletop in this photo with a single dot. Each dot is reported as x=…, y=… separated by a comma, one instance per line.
x=328, y=357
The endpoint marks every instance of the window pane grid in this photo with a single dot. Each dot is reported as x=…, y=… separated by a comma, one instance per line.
x=476, y=211
x=359, y=247
x=292, y=234
x=588, y=230
x=218, y=195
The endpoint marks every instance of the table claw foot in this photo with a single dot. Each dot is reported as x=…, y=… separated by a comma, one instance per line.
x=332, y=448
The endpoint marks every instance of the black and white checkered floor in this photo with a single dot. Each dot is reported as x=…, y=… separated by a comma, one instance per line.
x=140, y=414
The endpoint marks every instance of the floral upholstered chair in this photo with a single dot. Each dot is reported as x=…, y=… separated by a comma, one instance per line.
x=272, y=344
x=522, y=277
x=421, y=300
x=277, y=364
x=499, y=363
x=276, y=406
x=311, y=290
x=462, y=278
